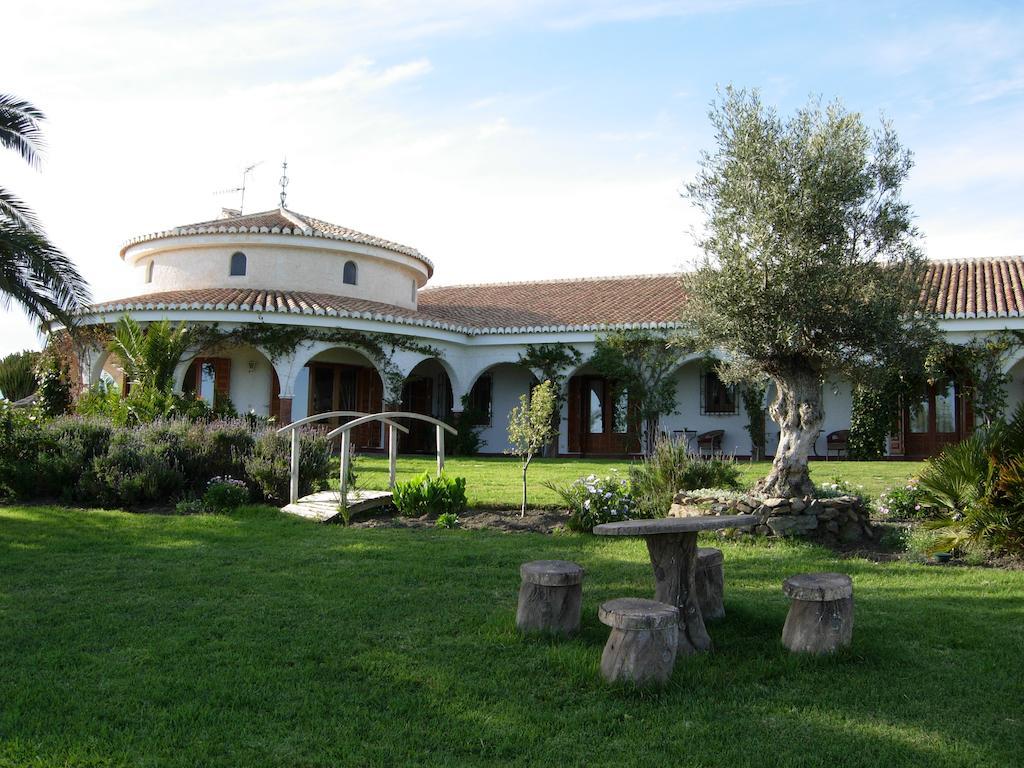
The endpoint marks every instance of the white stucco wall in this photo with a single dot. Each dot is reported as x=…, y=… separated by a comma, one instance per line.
x=735, y=441
x=278, y=263
x=249, y=389
x=508, y=384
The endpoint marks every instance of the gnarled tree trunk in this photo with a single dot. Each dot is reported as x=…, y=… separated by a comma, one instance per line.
x=797, y=410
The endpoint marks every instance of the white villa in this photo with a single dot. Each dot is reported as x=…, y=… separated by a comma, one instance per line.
x=462, y=343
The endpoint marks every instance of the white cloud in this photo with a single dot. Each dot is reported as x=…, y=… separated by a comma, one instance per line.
x=359, y=76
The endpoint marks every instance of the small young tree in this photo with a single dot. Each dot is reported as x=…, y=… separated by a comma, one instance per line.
x=641, y=363
x=529, y=427
x=553, y=362
x=811, y=260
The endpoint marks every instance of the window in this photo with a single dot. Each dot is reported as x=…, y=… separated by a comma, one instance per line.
x=414, y=291
x=945, y=409
x=208, y=378
x=237, y=264
x=596, y=394
x=349, y=273
x=716, y=397
x=620, y=412
x=479, y=404
x=149, y=272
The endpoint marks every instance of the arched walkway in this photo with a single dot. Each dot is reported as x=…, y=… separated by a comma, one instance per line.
x=341, y=379
x=494, y=392
x=427, y=390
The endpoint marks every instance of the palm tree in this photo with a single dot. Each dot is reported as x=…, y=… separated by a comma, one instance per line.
x=33, y=271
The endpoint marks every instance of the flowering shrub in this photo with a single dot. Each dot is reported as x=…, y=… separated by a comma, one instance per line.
x=593, y=500
x=225, y=493
x=837, y=488
x=904, y=503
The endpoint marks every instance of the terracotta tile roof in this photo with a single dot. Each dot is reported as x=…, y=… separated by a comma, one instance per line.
x=472, y=309
x=965, y=288
x=246, y=300
x=583, y=302
x=953, y=289
x=285, y=222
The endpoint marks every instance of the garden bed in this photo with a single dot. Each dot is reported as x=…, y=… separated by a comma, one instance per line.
x=535, y=520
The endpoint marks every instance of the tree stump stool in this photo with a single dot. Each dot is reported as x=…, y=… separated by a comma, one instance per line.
x=643, y=643
x=550, y=597
x=711, y=582
x=820, y=619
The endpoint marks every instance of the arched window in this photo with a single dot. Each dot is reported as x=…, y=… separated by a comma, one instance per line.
x=349, y=274
x=149, y=272
x=237, y=264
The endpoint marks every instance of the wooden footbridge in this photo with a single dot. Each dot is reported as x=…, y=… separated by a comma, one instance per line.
x=327, y=506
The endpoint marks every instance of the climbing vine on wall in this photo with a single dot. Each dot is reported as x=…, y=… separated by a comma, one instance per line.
x=279, y=341
x=753, y=394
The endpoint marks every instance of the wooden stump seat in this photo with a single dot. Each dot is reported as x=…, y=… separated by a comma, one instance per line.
x=710, y=578
x=820, y=618
x=550, y=597
x=642, y=646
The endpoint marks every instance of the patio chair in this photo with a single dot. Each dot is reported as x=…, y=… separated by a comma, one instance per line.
x=711, y=440
x=837, y=441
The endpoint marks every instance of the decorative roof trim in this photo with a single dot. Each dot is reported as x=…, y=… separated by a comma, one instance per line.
x=300, y=227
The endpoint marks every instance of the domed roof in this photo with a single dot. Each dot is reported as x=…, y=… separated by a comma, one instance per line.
x=280, y=221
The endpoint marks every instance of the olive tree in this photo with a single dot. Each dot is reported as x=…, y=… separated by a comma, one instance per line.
x=812, y=264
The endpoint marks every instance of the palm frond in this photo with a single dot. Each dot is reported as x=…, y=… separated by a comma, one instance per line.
x=20, y=128
x=13, y=209
x=37, y=275
x=958, y=477
x=150, y=356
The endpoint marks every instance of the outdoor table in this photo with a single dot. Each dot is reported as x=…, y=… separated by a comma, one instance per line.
x=672, y=544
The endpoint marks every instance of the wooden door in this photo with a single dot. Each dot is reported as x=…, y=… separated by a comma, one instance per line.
x=941, y=415
x=605, y=424
x=337, y=387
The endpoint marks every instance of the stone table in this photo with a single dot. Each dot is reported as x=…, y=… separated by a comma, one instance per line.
x=672, y=545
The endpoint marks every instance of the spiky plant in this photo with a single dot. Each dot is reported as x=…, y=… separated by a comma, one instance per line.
x=18, y=378
x=150, y=355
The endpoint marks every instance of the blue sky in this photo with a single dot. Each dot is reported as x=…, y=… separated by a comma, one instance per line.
x=506, y=141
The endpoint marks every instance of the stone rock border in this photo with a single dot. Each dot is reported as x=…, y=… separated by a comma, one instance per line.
x=837, y=520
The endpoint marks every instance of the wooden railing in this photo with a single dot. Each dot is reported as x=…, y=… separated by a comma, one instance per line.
x=345, y=430
x=293, y=485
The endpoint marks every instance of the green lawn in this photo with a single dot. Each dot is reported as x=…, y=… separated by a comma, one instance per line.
x=259, y=639
x=495, y=482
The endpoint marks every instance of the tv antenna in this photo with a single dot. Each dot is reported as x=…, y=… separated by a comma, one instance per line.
x=283, y=181
x=245, y=176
